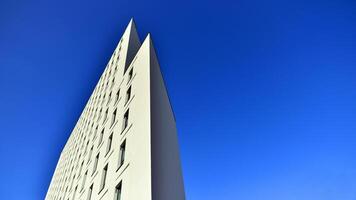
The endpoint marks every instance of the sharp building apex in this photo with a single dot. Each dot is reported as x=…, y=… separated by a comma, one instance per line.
x=148, y=39
x=132, y=21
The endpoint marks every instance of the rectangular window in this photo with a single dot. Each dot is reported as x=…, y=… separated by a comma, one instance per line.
x=108, y=147
x=128, y=95
x=101, y=137
x=75, y=192
x=115, y=70
x=113, y=118
x=71, y=185
x=90, y=191
x=96, y=163
x=130, y=75
x=81, y=167
x=122, y=154
x=106, y=115
x=118, y=191
x=90, y=152
x=95, y=113
x=103, y=178
x=84, y=179
x=86, y=147
x=113, y=82
x=104, y=97
x=126, y=120
x=96, y=131
x=109, y=98
x=117, y=95
x=101, y=110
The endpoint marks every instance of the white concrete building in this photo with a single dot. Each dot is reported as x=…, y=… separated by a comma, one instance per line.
x=124, y=145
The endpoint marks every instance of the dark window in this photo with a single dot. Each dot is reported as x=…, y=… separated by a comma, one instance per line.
x=101, y=110
x=75, y=192
x=101, y=137
x=96, y=163
x=113, y=117
x=86, y=147
x=108, y=147
x=113, y=82
x=122, y=154
x=103, y=178
x=118, y=191
x=81, y=167
x=130, y=75
x=126, y=120
x=117, y=95
x=96, y=131
x=90, y=191
x=109, y=97
x=106, y=115
x=128, y=95
x=90, y=152
x=84, y=179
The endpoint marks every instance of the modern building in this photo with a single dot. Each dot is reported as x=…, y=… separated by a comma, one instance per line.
x=124, y=145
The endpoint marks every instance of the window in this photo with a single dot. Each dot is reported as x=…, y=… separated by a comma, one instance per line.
x=118, y=191
x=103, y=178
x=86, y=147
x=108, y=147
x=95, y=113
x=101, y=110
x=109, y=98
x=75, y=191
x=81, y=167
x=122, y=154
x=71, y=184
x=104, y=97
x=101, y=137
x=130, y=75
x=90, y=191
x=95, y=132
x=126, y=120
x=113, y=82
x=91, y=128
x=117, y=95
x=96, y=163
x=83, y=143
x=106, y=115
x=113, y=118
x=65, y=192
x=115, y=70
x=84, y=179
x=90, y=152
x=128, y=95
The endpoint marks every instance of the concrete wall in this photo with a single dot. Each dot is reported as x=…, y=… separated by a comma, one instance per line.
x=167, y=180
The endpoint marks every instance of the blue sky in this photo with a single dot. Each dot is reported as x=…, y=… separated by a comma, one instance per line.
x=264, y=92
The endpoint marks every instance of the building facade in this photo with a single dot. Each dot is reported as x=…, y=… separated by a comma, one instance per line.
x=124, y=145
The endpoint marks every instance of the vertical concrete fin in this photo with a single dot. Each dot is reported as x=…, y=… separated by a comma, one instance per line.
x=167, y=178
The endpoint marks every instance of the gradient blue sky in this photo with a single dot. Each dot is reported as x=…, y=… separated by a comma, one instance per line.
x=264, y=92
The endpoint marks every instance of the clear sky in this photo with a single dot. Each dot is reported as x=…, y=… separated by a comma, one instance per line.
x=264, y=92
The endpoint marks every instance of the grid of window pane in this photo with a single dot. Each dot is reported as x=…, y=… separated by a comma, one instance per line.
x=73, y=179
